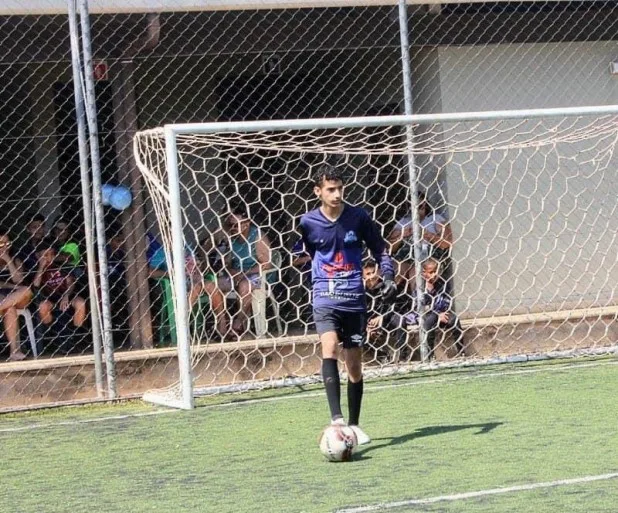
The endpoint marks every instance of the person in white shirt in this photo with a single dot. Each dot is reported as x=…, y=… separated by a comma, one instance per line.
x=437, y=240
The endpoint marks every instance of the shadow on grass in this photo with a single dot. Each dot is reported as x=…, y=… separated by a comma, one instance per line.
x=381, y=443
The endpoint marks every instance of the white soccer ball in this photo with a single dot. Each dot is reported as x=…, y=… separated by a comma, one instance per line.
x=337, y=443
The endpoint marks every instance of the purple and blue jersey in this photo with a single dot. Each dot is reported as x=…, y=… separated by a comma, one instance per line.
x=336, y=250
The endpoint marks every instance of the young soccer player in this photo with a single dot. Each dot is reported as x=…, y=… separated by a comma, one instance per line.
x=333, y=235
x=439, y=313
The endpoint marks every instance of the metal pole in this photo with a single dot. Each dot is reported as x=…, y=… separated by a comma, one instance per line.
x=178, y=264
x=87, y=202
x=412, y=174
x=91, y=115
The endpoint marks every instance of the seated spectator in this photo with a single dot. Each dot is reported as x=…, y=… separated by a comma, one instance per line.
x=117, y=285
x=115, y=258
x=436, y=240
x=67, y=247
x=55, y=288
x=385, y=319
x=13, y=296
x=200, y=280
x=248, y=257
x=438, y=302
x=35, y=228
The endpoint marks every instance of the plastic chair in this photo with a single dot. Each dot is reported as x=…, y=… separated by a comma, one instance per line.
x=261, y=294
x=167, y=326
x=25, y=313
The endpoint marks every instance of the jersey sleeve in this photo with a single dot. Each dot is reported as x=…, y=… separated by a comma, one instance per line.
x=304, y=243
x=298, y=250
x=377, y=246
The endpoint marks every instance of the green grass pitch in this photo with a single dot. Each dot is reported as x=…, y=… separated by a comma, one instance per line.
x=435, y=434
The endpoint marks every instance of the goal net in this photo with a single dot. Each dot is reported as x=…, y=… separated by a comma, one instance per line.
x=518, y=216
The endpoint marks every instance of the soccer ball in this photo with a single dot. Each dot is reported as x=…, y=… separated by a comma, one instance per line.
x=337, y=443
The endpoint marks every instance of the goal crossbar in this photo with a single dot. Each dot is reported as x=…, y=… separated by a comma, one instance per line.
x=379, y=121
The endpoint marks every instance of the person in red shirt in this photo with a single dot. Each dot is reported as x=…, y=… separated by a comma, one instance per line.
x=55, y=288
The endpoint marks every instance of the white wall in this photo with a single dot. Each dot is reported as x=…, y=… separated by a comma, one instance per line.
x=535, y=230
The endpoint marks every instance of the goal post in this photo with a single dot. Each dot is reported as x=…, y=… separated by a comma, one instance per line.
x=514, y=190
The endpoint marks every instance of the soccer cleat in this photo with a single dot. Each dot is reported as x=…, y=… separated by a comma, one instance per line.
x=339, y=421
x=362, y=438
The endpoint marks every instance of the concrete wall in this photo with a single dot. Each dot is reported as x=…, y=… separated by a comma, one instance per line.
x=536, y=230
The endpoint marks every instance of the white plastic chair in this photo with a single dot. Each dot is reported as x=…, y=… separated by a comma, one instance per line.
x=25, y=313
x=261, y=294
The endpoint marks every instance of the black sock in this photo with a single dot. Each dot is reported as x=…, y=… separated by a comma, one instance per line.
x=355, y=398
x=332, y=385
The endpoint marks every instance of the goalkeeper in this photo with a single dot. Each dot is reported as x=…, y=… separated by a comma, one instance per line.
x=334, y=235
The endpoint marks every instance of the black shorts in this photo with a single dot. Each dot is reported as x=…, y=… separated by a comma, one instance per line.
x=351, y=327
x=40, y=296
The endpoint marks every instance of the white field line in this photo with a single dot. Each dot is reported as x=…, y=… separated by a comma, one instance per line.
x=374, y=388
x=385, y=506
x=50, y=425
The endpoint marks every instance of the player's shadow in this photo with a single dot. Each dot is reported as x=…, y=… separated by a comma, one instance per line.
x=421, y=433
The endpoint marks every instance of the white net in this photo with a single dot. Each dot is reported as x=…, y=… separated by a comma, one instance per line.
x=519, y=215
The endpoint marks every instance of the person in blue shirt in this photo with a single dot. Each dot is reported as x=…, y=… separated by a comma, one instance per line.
x=334, y=235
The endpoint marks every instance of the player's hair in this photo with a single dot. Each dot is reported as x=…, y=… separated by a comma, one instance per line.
x=326, y=172
x=239, y=210
x=430, y=261
x=36, y=217
x=370, y=263
x=405, y=209
x=4, y=230
x=61, y=219
x=422, y=199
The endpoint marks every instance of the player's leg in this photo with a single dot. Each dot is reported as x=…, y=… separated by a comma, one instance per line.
x=217, y=304
x=430, y=324
x=454, y=325
x=353, y=338
x=243, y=289
x=18, y=298
x=11, y=331
x=79, y=311
x=327, y=326
x=46, y=309
x=396, y=327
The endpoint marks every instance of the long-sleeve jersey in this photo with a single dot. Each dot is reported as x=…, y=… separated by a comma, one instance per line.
x=336, y=249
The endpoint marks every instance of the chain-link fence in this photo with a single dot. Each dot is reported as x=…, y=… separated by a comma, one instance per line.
x=254, y=64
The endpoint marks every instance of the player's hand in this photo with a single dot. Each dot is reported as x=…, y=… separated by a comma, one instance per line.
x=389, y=290
x=4, y=253
x=44, y=261
x=374, y=324
x=444, y=317
x=64, y=303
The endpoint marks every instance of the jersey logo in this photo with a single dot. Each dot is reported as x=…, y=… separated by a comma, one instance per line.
x=350, y=237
